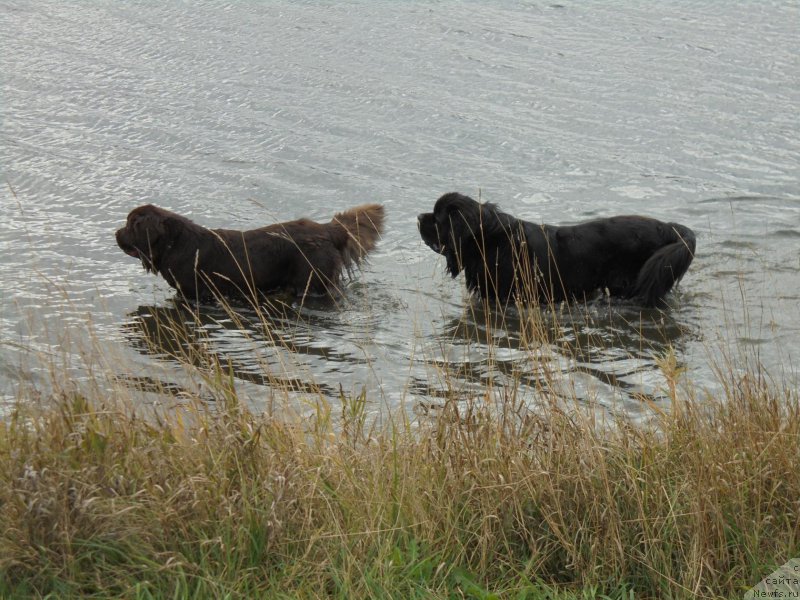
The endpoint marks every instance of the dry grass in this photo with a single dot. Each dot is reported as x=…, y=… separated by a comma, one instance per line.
x=483, y=499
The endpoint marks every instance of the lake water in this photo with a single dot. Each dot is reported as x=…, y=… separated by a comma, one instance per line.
x=242, y=114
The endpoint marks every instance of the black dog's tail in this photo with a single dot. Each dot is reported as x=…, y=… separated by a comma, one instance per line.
x=665, y=267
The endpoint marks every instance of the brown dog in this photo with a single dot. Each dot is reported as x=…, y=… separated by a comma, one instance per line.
x=299, y=257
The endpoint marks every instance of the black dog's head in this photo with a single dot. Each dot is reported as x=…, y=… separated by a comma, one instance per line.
x=148, y=234
x=457, y=228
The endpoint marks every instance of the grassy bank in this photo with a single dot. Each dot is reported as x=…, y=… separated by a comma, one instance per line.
x=481, y=499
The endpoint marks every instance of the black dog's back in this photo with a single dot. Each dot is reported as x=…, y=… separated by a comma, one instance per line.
x=632, y=257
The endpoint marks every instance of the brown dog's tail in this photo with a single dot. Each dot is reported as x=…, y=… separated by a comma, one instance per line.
x=362, y=227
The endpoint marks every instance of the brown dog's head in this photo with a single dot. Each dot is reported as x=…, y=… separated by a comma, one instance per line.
x=457, y=227
x=148, y=234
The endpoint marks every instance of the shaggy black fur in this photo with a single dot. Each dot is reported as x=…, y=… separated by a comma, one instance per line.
x=505, y=258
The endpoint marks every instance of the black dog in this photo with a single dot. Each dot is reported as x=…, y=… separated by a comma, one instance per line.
x=297, y=257
x=505, y=258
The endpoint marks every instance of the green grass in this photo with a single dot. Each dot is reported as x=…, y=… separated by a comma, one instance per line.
x=101, y=497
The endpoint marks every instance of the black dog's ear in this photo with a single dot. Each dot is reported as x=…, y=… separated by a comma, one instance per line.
x=454, y=264
x=459, y=230
x=462, y=222
x=490, y=223
x=474, y=222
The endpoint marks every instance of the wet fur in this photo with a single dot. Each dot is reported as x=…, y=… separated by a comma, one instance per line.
x=504, y=258
x=297, y=257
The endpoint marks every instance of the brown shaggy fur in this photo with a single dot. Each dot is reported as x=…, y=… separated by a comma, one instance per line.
x=299, y=257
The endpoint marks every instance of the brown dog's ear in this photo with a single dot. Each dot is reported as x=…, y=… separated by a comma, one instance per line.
x=154, y=234
x=148, y=224
x=157, y=226
x=171, y=227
